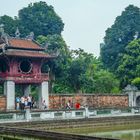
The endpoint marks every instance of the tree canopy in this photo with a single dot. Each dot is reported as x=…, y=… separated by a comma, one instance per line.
x=125, y=28
x=37, y=17
x=85, y=74
x=9, y=24
x=129, y=67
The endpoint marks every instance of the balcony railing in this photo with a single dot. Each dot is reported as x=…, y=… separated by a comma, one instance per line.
x=3, y=75
x=21, y=77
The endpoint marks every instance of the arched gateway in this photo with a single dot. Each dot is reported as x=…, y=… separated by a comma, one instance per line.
x=20, y=63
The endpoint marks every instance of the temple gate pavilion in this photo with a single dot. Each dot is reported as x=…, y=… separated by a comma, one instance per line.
x=20, y=63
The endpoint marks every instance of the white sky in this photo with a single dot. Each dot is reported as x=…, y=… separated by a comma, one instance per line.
x=85, y=20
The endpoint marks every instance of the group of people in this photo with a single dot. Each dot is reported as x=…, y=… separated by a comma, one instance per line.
x=69, y=105
x=28, y=102
x=24, y=102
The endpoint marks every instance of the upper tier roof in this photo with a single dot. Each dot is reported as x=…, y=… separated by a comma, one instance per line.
x=33, y=54
x=22, y=48
x=23, y=44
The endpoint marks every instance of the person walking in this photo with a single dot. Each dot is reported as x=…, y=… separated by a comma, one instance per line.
x=68, y=105
x=22, y=100
x=29, y=98
x=17, y=103
x=44, y=105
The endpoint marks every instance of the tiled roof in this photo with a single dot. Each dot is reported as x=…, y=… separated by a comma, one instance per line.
x=22, y=43
x=27, y=54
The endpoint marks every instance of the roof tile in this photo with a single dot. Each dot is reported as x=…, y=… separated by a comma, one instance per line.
x=25, y=44
x=27, y=54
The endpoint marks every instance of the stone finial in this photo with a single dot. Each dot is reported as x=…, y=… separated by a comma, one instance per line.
x=3, y=48
x=3, y=34
x=2, y=29
x=46, y=45
x=57, y=52
x=17, y=33
x=119, y=39
x=6, y=39
x=130, y=88
x=136, y=35
x=30, y=36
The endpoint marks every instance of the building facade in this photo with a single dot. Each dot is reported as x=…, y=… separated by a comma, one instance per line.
x=21, y=62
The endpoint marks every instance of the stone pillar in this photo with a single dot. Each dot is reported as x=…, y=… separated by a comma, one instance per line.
x=44, y=94
x=131, y=102
x=26, y=90
x=86, y=112
x=28, y=115
x=132, y=99
x=9, y=91
x=131, y=91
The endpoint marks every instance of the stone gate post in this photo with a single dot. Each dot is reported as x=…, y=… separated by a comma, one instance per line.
x=9, y=91
x=43, y=94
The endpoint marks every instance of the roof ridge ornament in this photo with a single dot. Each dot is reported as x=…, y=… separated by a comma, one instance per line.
x=17, y=33
x=2, y=29
x=30, y=36
x=4, y=36
x=3, y=48
x=45, y=46
x=136, y=35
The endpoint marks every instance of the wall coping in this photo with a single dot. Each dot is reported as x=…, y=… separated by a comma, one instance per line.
x=86, y=94
x=48, y=134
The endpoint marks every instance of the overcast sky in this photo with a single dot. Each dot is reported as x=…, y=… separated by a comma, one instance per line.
x=85, y=20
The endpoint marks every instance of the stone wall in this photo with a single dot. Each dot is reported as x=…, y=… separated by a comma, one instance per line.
x=60, y=101
x=2, y=102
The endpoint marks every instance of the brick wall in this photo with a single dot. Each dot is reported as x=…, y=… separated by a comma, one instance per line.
x=2, y=103
x=60, y=101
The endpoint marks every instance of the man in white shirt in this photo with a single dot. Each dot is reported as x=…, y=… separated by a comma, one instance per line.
x=29, y=98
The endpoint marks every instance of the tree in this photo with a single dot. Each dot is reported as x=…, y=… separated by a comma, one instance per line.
x=37, y=17
x=106, y=82
x=85, y=74
x=40, y=19
x=77, y=69
x=55, y=45
x=136, y=82
x=129, y=67
x=9, y=24
x=125, y=28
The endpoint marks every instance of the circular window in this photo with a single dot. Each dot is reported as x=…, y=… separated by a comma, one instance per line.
x=25, y=66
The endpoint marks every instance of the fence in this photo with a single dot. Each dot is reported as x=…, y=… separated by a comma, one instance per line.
x=37, y=115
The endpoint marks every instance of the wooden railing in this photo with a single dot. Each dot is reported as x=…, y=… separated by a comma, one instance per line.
x=3, y=75
x=25, y=78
